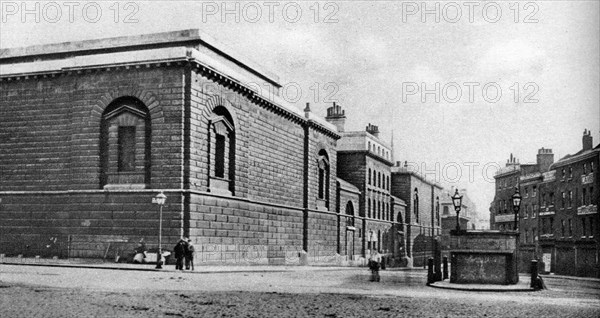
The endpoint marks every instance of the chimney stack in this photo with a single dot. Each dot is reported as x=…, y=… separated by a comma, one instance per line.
x=545, y=158
x=373, y=130
x=587, y=140
x=337, y=116
x=512, y=161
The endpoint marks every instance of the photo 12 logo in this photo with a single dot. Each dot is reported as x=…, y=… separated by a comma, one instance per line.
x=269, y=11
x=454, y=172
x=291, y=92
x=69, y=11
x=452, y=92
x=470, y=11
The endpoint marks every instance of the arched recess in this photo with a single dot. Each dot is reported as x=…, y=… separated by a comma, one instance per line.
x=125, y=144
x=221, y=151
x=350, y=213
x=323, y=178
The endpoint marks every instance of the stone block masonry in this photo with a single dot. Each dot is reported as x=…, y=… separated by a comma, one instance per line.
x=245, y=178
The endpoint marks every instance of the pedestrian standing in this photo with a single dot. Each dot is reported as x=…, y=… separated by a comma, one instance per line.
x=374, y=265
x=179, y=251
x=189, y=256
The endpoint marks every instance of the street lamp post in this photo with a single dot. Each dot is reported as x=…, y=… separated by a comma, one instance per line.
x=516, y=200
x=160, y=199
x=457, y=202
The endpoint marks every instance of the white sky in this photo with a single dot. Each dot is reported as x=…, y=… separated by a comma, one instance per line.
x=371, y=50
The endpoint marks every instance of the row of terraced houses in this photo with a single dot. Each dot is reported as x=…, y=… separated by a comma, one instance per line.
x=91, y=131
x=558, y=220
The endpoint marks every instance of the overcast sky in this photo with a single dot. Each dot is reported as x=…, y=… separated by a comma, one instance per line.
x=376, y=58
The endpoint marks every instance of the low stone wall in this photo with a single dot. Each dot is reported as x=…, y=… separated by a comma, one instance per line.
x=483, y=257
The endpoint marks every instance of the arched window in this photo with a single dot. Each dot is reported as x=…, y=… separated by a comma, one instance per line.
x=350, y=213
x=324, y=170
x=222, y=151
x=125, y=143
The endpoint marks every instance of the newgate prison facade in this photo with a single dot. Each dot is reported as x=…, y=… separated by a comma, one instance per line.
x=91, y=131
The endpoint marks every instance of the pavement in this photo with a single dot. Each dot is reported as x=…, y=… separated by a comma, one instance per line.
x=62, y=288
x=521, y=286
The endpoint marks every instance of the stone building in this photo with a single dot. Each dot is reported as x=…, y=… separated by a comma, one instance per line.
x=91, y=131
x=422, y=218
x=364, y=161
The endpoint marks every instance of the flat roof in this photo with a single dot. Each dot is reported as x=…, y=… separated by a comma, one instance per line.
x=133, y=42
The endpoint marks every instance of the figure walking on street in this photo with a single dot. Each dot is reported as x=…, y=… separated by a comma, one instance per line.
x=180, y=251
x=189, y=256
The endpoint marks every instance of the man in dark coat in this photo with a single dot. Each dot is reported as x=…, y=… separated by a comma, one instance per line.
x=180, y=251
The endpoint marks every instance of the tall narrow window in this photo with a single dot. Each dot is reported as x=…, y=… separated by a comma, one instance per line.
x=222, y=152
x=416, y=205
x=570, y=227
x=126, y=141
x=323, y=177
x=220, y=156
x=369, y=180
x=437, y=210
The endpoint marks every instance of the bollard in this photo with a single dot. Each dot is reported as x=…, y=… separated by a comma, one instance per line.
x=445, y=270
x=533, y=269
x=430, y=278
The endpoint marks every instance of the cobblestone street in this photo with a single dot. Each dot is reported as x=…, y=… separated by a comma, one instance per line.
x=39, y=291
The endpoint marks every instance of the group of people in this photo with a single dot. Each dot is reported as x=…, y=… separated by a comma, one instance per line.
x=184, y=253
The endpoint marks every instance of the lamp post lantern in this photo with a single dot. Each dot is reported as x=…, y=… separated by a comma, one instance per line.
x=516, y=201
x=160, y=199
x=457, y=202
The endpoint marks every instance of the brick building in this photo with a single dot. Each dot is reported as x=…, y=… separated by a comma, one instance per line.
x=502, y=215
x=572, y=235
x=364, y=161
x=422, y=218
x=91, y=131
x=558, y=217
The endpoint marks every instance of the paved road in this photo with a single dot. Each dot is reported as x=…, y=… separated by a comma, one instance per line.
x=32, y=291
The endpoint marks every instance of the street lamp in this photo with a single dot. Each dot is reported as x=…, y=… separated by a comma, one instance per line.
x=457, y=202
x=516, y=200
x=160, y=199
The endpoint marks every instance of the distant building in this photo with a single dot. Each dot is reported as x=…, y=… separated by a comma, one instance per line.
x=558, y=218
x=468, y=212
x=423, y=219
x=364, y=161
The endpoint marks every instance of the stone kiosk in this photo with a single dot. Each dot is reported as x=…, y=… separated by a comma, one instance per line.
x=483, y=257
